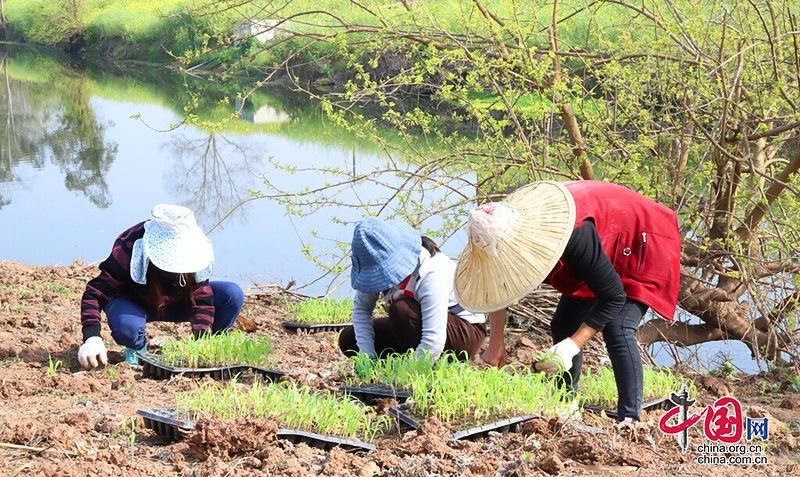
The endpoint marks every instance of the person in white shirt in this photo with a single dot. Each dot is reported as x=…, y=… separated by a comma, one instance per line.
x=414, y=279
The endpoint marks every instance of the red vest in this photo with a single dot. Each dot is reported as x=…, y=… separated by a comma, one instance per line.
x=640, y=237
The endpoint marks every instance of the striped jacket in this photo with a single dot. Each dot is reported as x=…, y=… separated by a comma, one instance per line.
x=114, y=281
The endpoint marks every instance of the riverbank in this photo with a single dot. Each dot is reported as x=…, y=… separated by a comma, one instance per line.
x=69, y=422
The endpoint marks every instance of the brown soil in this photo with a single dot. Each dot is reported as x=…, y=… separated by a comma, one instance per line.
x=78, y=423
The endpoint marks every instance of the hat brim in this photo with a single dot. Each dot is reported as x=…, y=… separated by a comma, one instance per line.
x=529, y=250
x=178, y=252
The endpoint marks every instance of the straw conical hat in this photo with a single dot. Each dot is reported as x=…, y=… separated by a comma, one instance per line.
x=513, y=245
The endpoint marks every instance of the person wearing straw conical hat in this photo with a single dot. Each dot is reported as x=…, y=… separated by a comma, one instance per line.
x=611, y=253
x=414, y=279
x=158, y=270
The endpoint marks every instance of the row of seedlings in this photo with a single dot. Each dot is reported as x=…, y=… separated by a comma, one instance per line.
x=220, y=356
x=598, y=389
x=318, y=314
x=302, y=414
x=469, y=400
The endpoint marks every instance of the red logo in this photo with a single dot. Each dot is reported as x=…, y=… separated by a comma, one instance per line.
x=722, y=421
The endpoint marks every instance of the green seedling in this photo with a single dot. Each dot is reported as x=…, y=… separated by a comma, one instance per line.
x=599, y=388
x=726, y=370
x=396, y=370
x=112, y=372
x=291, y=406
x=456, y=392
x=314, y=311
x=217, y=350
x=52, y=367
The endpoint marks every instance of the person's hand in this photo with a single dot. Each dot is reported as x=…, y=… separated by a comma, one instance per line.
x=92, y=353
x=558, y=358
x=497, y=357
x=364, y=364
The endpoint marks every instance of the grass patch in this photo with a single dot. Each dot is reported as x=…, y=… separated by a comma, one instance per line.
x=291, y=406
x=222, y=349
x=315, y=311
x=597, y=387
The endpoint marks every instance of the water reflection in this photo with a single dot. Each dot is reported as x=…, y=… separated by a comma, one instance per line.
x=210, y=172
x=53, y=122
x=100, y=148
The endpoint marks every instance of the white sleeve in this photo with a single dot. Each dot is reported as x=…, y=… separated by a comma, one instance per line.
x=363, y=306
x=432, y=293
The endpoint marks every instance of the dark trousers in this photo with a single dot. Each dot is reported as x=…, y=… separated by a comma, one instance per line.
x=623, y=349
x=402, y=331
x=128, y=320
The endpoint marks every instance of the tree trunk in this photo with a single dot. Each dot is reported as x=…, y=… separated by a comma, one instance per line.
x=3, y=27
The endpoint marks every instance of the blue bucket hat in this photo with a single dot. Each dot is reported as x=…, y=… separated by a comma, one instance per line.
x=383, y=254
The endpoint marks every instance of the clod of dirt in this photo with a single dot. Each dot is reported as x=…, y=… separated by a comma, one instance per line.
x=584, y=449
x=430, y=438
x=227, y=437
x=552, y=464
x=715, y=386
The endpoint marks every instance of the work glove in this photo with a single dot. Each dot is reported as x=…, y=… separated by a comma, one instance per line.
x=92, y=353
x=364, y=364
x=558, y=358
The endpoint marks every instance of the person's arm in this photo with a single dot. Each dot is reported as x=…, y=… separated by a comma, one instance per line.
x=363, y=307
x=201, y=316
x=585, y=255
x=495, y=354
x=433, y=292
x=114, y=273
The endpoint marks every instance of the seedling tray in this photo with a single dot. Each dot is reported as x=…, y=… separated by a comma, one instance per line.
x=651, y=405
x=295, y=327
x=165, y=423
x=153, y=368
x=401, y=412
x=370, y=394
x=321, y=441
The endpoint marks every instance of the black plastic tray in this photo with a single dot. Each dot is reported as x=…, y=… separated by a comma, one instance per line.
x=503, y=425
x=295, y=327
x=321, y=441
x=370, y=395
x=651, y=405
x=164, y=422
x=153, y=368
x=401, y=412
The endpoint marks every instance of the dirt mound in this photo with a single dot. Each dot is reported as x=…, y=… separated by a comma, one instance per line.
x=223, y=438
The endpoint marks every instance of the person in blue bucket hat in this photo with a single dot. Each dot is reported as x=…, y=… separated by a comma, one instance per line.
x=158, y=270
x=414, y=279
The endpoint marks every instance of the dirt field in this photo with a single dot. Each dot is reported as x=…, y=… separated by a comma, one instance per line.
x=77, y=423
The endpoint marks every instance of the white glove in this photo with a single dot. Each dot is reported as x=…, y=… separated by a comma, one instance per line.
x=558, y=358
x=92, y=351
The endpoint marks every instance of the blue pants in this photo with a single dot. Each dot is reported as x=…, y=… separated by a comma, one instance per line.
x=623, y=349
x=128, y=320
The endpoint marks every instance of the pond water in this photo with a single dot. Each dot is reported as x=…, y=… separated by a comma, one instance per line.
x=85, y=154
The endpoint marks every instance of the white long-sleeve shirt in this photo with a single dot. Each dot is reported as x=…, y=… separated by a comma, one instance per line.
x=431, y=284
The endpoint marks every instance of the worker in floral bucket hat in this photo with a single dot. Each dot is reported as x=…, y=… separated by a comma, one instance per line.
x=610, y=251
x=158, y=270
x=414, y=279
